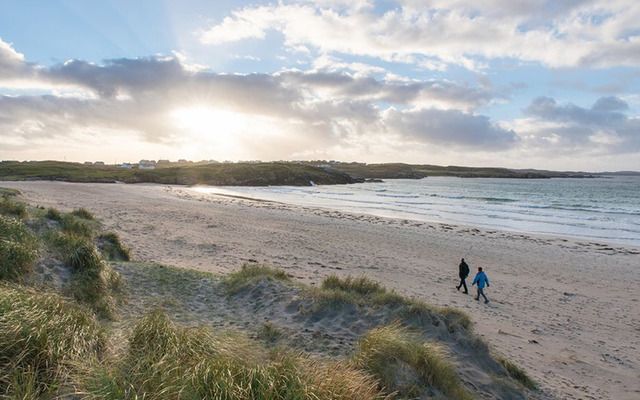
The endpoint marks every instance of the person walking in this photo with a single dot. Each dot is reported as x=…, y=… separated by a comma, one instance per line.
x=463, y=272
x=481, y=280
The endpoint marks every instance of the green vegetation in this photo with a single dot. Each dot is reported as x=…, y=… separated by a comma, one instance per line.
x=53, y=215
x=412, y=171
x=112, y=248
x=9, y=206
x=336, y=291
x=82, y=213
x=406, y=365
x=250, y=273
x=18, y=249
x=517, y=373
x=74, y=225
x=93, y=281
x=167, y=361
x=237, y=174
x=41, y=336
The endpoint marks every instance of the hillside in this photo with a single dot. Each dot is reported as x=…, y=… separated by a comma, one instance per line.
x=80, y=318
x=410, y=171
x=229, y=174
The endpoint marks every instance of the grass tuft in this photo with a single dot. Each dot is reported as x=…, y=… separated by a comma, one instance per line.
x=93, y=281
x=53, y=215
x=404, y=364
x=41, y=336
x=112, y=248
x=77, y=226
x=336, y=292
x=18, y=249
x=517, y=373
x=167, y=361
x=83, y=213
x=251, y=273
x=13, y=208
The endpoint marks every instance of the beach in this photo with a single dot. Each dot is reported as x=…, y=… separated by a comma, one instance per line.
x=566, y=310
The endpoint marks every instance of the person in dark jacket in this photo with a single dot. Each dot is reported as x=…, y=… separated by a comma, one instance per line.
x=481, y=280
x=463, y=273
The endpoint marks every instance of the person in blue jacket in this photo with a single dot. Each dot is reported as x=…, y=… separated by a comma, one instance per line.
x=481, y=280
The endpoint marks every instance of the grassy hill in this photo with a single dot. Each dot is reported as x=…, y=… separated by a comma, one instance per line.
x=411, y=171
x=235, y=174
x=81, y=319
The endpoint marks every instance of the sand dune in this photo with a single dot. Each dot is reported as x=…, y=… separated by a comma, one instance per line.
x=566, y=310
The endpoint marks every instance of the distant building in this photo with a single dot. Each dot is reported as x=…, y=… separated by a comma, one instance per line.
x=88, y=163
x=98, y=163
x=147, y=164
x=163, y=163
x=126, y=165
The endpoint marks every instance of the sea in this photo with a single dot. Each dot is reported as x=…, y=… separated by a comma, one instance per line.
x=595, y=209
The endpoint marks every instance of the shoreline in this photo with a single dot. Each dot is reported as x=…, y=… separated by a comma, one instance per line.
x=566, y=311
x=625, y=248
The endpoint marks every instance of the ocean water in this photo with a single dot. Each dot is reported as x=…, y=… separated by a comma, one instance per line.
x=599, y=209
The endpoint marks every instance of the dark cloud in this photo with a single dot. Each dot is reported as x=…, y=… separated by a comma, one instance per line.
x=605, y=124
x=451, y=127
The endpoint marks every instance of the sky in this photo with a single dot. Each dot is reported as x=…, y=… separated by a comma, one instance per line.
x=513, y=83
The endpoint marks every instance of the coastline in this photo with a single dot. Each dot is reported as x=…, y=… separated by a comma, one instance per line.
x=564, y=309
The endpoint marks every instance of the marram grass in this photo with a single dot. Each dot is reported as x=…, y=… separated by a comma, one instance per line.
x=93, y=281
x=41, y=337
x=165, y=361
x=18, y=249
x=250, y=273
x=407, y=365
x=336, y=291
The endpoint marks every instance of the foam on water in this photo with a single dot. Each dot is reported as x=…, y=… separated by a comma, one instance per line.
x=604, y=209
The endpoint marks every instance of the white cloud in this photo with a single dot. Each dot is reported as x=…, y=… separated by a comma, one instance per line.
x=557, y=34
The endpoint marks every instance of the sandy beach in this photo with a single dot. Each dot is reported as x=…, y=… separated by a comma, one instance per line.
x=566, y=310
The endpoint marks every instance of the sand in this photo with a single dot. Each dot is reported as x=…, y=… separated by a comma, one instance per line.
x=566, y=310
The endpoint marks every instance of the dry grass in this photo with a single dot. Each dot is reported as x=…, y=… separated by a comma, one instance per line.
x=165, y=361
x=41, y=336
x=18, y=249
x=112, y=247
x=93, y=281
x=361, y=291
x=251, y=273
x=406, y=365
x=517, y=373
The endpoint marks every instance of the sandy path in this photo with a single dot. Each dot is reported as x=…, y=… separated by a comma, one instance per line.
x=566, y=310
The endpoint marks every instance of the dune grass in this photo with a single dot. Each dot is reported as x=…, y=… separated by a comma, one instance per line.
x=18, y=249
x=78, y=226
x=336, y=291
x=93, y=281
x=250, y=273
x=517, y=373
x=165, y=361
x=406, y=365
x=83, y=213
x=10, y=207
x=41, y=336
x=112, y=247
x=53, y=215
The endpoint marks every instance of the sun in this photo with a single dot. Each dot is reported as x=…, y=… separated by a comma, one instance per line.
x=218, y=132
x=209, y=122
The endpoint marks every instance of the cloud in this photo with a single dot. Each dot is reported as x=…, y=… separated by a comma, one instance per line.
x=556, y=34
x=604, y=127
x=450, y=127
x=319, y=108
